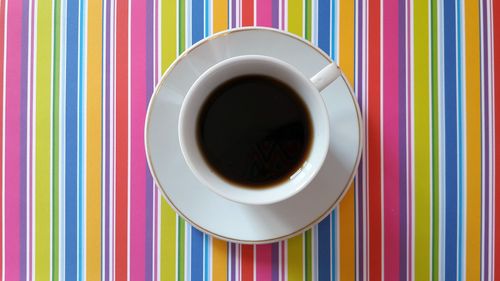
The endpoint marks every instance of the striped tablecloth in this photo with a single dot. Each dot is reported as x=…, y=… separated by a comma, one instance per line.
x=77, y=199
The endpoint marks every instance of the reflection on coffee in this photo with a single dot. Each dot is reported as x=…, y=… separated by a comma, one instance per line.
x=254, y=131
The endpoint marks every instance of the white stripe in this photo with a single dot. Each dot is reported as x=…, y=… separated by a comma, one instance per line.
x=33, y=170
x=431, y=150
x=491, y=144
x=51, y=157
x=62, y=142
x=29, y=180
x=254, y=12
x=412, y=148
x=129, y=131
x=104, y=136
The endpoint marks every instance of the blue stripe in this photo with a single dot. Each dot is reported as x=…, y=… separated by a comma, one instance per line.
x=80, y=144
x=324, y=25
x=334, y=244
x=197, y=21
x=324, y=249
x=71, y=140
x=197, y=237
x=450, y=99
x=196, y=254
x=460, y=145
x=207, y=15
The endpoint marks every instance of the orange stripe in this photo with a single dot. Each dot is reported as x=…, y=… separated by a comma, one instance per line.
x=473, y=129
x=346, y=207
x=219, y=260
x=220, y=15
x=94, y=54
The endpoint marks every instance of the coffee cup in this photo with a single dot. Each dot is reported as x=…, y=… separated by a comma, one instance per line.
x=313, y=152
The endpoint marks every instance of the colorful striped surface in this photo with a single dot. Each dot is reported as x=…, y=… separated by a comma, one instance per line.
x=77, y=200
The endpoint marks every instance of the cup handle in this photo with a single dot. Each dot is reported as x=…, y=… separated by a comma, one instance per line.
x=326, y=76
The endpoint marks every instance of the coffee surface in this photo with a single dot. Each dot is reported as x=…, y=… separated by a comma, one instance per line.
x=254, y=131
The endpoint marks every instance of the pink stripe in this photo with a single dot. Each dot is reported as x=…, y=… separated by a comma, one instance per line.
x=12, y=141
x=390, y=141
x=263, y=262
x=137, y=158
x=264, y=13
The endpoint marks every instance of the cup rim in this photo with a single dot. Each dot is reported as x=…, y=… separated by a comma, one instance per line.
x=192, y=155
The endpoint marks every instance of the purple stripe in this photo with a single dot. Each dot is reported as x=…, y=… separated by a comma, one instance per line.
x=275, y=13
x=149, y=180
x=275, y=259
x=402, y=139
x=233, y=13
x=486, y=143
x=23, y=131
x=360, y=176
x=107, y=186
x=409, y=145
x=232, y=264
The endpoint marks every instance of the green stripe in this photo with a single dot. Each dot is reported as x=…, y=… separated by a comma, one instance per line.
x=181, y=225
x=308, y=255
x=181, y=26
x=435, y=145
x=180, y=254
x=55, y=151
x=308, y=16
x=422, y=143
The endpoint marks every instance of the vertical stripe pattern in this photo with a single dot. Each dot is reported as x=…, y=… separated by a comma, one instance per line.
x=77, y=201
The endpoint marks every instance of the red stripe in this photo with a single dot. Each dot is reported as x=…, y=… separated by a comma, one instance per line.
x=2, y=20
x=263, y=262
x=121, y=139
x=373, y=139
x=247, y=12
x=247, y=262
x=496, y=65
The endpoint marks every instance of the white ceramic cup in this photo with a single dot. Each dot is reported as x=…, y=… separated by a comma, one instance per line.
x=309, y=92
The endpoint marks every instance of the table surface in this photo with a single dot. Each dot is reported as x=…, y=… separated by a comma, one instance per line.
x=78, y=201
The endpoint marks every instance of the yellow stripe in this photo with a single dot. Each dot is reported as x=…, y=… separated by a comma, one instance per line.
x=295, y=12
x=473, y=139
x=422, y=142
x=219, y=15
x=168, y=33
x=219, y=260
x=295, y=249
x=346, y=207
x=94, y=92
x=167, y=250
x=43, y=145
x=168, y=216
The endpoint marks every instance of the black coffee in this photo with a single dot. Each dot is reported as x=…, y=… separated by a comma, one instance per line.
x=254, y=131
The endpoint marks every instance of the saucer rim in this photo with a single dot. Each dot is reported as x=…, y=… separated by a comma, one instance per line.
x=312, y=222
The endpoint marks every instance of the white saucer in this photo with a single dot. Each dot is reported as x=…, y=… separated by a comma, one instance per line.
x=214, y=214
